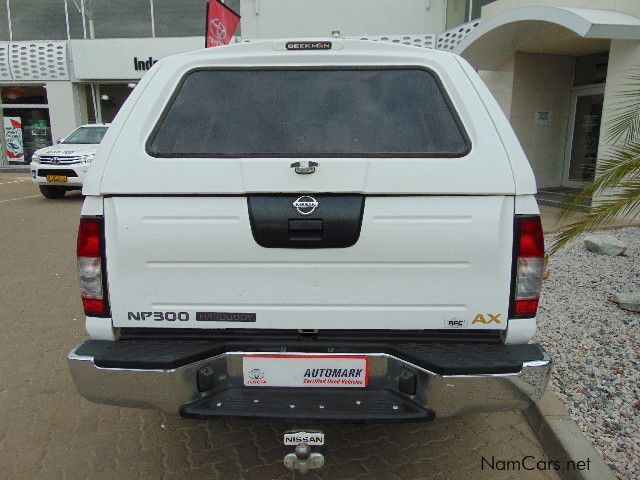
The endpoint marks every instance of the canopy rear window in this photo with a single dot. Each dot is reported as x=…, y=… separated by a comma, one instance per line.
x=309, y=113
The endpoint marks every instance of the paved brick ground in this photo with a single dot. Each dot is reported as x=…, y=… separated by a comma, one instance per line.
x=47, y=431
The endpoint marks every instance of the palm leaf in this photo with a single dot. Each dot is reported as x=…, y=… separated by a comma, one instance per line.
x=617, y=182
x=625, y=123
x=613, y=167
x=625, y=202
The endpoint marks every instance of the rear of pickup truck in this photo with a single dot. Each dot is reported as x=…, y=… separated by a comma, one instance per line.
x=346, y=233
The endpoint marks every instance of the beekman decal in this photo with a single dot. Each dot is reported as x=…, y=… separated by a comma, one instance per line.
x=308, y=45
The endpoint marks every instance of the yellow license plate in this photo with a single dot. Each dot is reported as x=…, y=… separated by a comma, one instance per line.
x=56, y=178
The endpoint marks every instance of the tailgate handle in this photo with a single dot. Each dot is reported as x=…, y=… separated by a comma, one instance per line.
x=305, y=229
x=304, y=167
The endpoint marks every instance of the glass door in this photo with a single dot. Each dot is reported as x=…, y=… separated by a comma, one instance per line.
x=584, y=136
x=26, y=130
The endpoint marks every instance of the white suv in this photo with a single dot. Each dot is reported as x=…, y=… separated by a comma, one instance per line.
x=63, y=167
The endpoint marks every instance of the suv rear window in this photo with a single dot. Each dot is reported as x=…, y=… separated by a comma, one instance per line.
x=309, y=113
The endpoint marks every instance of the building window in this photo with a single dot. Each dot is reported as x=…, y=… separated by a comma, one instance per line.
x=190, y=12
x=591, y=69
x=19, y=95
x=475, y=7
x=111, y=97
x=463, y=11
x=192, y=15
x=4, y=22
x=25, y=122
x=63, y=19
x=118, y=19
x=41, y=20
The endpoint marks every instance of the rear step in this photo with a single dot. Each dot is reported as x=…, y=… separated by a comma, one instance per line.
x=346, y=405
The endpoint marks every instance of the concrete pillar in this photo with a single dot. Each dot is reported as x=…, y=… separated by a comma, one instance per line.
x=65, y=109
x=500, y=82
x=624, y=60
x=524, y=84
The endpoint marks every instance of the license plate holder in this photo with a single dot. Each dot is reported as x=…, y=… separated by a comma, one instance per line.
x=57, y=178
x=305, y=371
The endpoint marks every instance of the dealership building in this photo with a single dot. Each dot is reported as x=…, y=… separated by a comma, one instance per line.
x=557, y=67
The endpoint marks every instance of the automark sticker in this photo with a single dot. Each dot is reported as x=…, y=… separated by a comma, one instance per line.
x=294, y=370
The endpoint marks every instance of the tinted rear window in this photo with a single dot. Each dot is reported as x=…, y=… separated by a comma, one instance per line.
x=300, y=113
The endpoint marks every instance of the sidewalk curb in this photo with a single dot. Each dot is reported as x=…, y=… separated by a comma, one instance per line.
x=24, y=169
x=562, y=440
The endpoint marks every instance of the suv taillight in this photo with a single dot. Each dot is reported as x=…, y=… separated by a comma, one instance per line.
x=528, y=266
x=90, y=266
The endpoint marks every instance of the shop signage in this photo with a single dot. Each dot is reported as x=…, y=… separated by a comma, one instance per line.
x=543, y=117
x=140, y=64
x=124, y=59
x=13, y=137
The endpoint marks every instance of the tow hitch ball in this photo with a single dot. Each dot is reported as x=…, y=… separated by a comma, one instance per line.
x=303, y=459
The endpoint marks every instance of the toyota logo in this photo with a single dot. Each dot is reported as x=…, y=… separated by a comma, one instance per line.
x=256, y=374
x=217, y=29
x=305, y=205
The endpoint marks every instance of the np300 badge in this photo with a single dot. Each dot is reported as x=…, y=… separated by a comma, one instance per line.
x=305, y=205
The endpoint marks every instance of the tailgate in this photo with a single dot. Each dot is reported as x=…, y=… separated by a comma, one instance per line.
x=418, y=262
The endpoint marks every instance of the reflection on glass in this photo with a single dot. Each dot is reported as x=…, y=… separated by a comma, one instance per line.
x=74, y=7
x=476, y=7
x=86, y=136
x=41, y=20
x=118, y=18
x=586, y=138
x=591, y=69
x=31, y=94
x=112, y=96
x=191, y=15
x=4, y=22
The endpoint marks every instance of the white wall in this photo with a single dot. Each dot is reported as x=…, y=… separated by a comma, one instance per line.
x=630, y=7
x=500, y=82
x=65, y=109
x=318, y=18
x=525, y=83
x=542, y=82
x=112, y=58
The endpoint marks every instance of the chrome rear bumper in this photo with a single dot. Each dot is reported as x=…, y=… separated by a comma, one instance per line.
x=445, y=395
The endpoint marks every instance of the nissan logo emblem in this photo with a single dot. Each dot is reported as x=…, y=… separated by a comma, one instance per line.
x=305, y=205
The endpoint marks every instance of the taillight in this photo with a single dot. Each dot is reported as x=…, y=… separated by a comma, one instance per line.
x=529, y=266
x=90, y=266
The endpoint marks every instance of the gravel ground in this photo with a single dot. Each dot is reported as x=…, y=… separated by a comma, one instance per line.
x=596, y=346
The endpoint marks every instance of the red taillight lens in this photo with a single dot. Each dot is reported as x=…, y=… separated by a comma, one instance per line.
x=529, y=253
x=90, y=264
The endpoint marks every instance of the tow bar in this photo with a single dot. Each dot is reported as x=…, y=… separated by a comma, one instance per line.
x=303, y=458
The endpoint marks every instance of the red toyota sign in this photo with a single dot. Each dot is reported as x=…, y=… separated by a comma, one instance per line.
x=221, y=24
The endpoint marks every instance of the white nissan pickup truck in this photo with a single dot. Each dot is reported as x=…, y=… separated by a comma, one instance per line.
x=311, y=230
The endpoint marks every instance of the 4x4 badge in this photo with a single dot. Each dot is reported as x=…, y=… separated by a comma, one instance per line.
x=305, y=205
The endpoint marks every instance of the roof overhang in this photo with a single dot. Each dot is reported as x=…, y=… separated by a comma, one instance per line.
x=552, y=30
